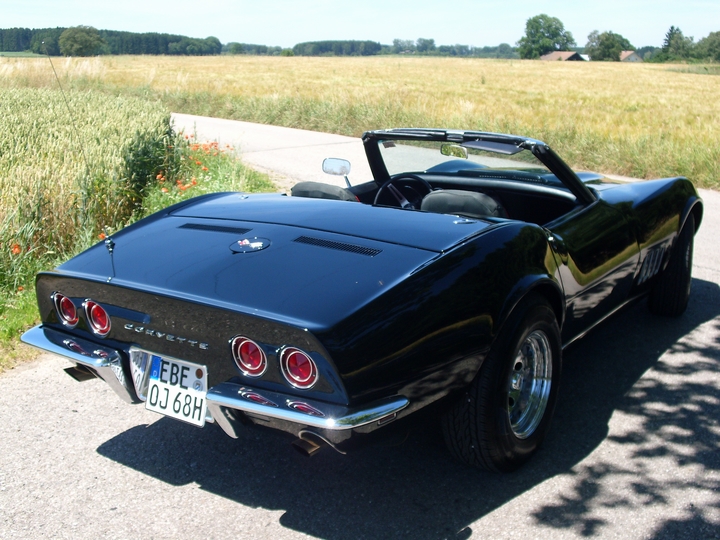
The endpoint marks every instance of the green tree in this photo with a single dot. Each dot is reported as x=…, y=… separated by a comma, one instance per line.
x=544, y=34
x=46, y=41
x=647, y=52
x=504, y=50
x=212, y=45
x=680, y=47
x=606, y=46
x=15, y=39
x=235, y=48
x=80, y=41
x=593, y=43
x=676, y=47
x=669, y=35
x=709, y=47
x=400, y=46
x=425, y=45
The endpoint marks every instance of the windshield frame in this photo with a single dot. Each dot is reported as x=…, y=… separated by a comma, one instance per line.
x=439, y=157
x=539, y=149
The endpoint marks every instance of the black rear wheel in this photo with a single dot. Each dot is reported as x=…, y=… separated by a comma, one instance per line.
x=504, y=416
x=670, y=293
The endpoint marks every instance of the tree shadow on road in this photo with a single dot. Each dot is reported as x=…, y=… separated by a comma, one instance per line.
x=645, y=373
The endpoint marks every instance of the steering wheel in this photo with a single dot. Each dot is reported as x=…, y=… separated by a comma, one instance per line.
x=405, y=191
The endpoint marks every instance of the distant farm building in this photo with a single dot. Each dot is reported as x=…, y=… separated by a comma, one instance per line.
x=562, y=56
x=630, y=56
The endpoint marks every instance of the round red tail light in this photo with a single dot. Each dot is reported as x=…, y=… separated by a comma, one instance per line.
x=248, y=355
x=298, y=368
x=66, y=311
x=97, y=318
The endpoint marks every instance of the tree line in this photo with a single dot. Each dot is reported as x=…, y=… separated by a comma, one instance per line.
x=543, y=34
x=87, y=41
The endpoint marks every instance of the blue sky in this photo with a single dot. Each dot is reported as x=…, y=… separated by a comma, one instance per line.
x=287, y=22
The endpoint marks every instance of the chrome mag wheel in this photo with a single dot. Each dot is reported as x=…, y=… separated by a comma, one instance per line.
x=529, y=382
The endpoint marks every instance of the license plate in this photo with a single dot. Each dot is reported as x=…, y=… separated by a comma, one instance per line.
x=177, y=389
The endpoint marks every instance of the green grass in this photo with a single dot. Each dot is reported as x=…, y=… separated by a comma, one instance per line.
x=18, y=311
x=20, y=54
x=205, y=168
x=709, y=69
x=62, y=187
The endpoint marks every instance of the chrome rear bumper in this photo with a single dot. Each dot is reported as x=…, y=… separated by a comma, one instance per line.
x=104, y=362
x=227, y=396
x=224, y=398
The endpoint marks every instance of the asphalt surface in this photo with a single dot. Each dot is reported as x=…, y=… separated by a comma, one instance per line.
x=634, y=450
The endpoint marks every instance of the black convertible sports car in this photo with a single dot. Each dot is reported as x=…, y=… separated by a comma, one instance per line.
x=455, y=277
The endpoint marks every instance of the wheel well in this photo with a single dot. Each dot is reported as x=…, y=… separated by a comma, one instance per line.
x=547, y=291
x=697, y=211
x=553, y=297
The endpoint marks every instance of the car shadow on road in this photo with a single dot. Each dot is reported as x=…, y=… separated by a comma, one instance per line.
x=409, y=487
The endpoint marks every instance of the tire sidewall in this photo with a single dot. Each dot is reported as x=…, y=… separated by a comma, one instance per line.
x=670, y=291
x=513, y=451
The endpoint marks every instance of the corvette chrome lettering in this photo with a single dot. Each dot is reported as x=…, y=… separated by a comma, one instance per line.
x=168, y=337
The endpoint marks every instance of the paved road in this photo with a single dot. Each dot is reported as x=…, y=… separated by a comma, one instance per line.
x=287, y=155
x=634, y=451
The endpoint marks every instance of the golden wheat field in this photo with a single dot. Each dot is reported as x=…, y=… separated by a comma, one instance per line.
x=646, y=120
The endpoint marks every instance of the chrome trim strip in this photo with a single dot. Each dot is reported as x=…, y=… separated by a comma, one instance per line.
x=54, y=296
x=104, y=361
x=88, y=305
x=287, y=351
x=337, y=417
x=238, y=357
x=602, y=319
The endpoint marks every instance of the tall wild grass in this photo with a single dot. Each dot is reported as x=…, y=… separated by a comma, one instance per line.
x=60, y=186
x=67, y=179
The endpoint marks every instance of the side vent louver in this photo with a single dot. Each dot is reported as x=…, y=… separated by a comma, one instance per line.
x=651, y=264
x=216, y=228
x=342, y=246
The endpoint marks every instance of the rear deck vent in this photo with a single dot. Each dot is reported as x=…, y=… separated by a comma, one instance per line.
x=342, y=246
x=216, y=228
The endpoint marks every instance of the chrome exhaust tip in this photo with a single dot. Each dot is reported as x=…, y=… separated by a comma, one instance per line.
x=305, y=447
x=80, y=373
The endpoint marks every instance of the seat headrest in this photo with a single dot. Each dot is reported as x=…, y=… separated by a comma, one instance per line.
x=318, y=190
x=462, y=203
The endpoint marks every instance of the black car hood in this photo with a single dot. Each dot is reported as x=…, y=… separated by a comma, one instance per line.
x=320, y=262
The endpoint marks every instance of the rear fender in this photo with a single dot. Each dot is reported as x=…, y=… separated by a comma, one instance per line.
x=695, y=206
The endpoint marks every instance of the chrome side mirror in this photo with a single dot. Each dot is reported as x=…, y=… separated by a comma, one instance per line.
x=337, y=167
